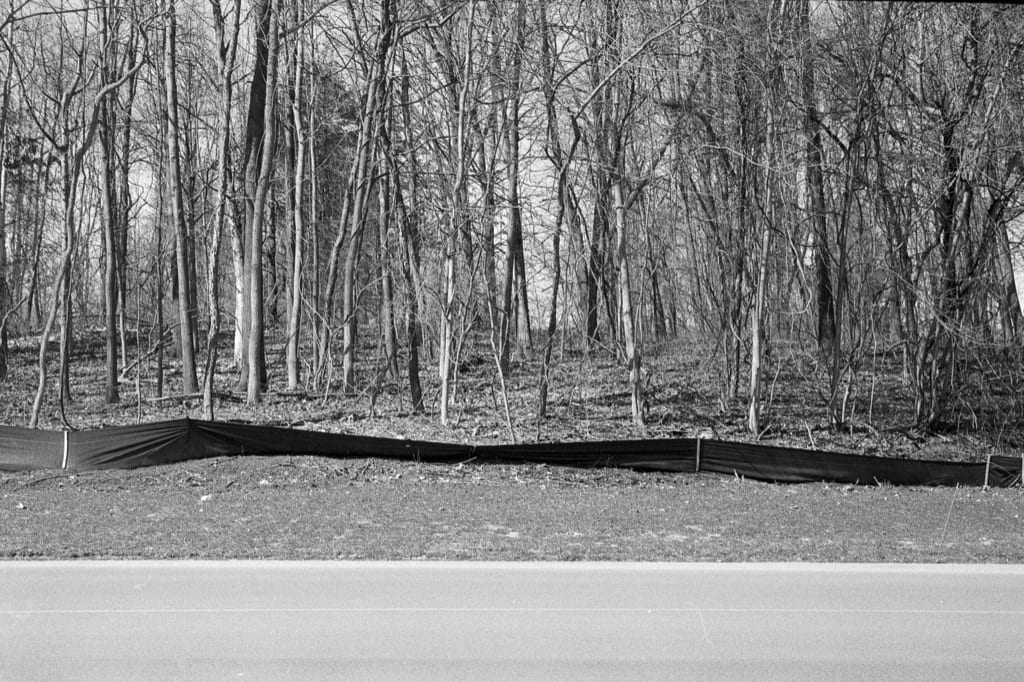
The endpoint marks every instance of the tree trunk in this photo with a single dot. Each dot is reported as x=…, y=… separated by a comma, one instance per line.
x=5, y=296
x=123, y=207
x=409, y=233
x=110, y=268
x=67, y=338
x=44, y=337
x=241, y=302
x=5, y=291
x=298, y=162
x=757, y=334
x=593, y=271
x=257, y=374
x=835, y=402
x=757, y=318
x=159, y=292
x=456, y=224
x=175, y=194
x=1009, y=300
x=630, y=345
x=492, y=130
x=932, y=373
x=657, y=304
x=70, y=171
x=271, y=278
x=110, y=216
x=387, y=296
x=561, y=161
x=248, y=256
x=372, y=111
x=227, y=50
x=497, y=312
x=349, y=312
x=515, y=269
x=316, y=318
x=813, y=154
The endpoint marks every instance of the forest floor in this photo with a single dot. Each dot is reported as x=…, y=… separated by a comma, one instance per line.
x=305, y=507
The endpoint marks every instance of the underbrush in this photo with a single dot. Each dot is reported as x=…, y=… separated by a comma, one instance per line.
x=588, y=399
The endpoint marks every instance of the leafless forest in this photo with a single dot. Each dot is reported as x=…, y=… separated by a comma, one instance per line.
x=393, y=188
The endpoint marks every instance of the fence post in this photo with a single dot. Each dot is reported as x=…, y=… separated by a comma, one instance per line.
x=697, y=469
x=64, y=458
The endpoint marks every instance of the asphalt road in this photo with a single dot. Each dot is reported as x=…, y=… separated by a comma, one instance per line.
x=473, y=621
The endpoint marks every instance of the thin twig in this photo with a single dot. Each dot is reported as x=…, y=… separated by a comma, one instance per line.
x=501, y=375
x=68, y=475
x=810, y=435
x=949, y=513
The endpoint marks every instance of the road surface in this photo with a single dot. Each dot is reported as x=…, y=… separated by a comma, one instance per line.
x=475, y=621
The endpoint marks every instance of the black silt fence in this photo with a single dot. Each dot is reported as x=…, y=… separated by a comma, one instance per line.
x=127, y=447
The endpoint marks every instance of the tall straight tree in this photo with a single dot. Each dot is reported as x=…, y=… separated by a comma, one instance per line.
x=568, y=208
x=611, y=151
x=457, y=217
x=296, y=143
x=123, y=191
x=817, y=212
x=227, y=49
x=371, y=114
x=257, y=372
x=385, y=220
x=113, y=195
x=515, y=301
x=249, y=337
x=5, y=100
x=175, y=192
x=759, y=310
x=408, y=222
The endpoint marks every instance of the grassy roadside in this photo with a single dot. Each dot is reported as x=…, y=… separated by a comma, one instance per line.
x=310, y=508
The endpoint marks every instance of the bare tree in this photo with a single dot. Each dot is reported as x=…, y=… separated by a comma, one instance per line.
x=568, y=207
x=356, y=201
x=296, y=144
x=457, y=215
x=70, y=129
x=227, y=48
x=249, y=333
x=257, y=375
x=825, y=303
x=115, y=141
x=175, y=193
x=407, y=212
x=515, y=301
x=5, y=100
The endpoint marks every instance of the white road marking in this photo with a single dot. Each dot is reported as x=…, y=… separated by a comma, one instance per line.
x=500, y=609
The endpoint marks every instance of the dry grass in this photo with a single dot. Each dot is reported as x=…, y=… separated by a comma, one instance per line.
x=303, y=507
